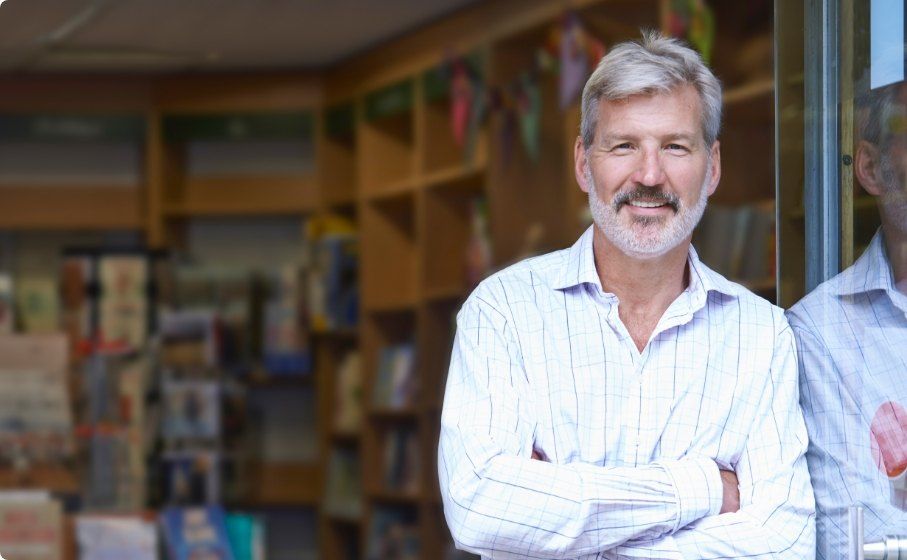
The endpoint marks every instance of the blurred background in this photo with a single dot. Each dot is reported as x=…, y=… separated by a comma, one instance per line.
x=234, y=236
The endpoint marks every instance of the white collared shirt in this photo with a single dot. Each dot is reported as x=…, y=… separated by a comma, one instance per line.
x=631, y=440
x=852, y=338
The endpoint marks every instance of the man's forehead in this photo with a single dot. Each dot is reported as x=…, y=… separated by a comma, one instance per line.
x=677, y=112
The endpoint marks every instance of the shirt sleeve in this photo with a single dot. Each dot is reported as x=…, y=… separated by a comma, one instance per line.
x=500, y=503
x=840, y=459
x=776, y=518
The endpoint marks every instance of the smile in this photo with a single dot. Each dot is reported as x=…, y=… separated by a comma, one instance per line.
x=647, y=204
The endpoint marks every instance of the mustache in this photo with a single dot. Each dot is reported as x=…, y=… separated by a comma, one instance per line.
x=648, y=194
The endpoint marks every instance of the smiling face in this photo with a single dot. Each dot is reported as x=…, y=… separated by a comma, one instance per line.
x=648, y=171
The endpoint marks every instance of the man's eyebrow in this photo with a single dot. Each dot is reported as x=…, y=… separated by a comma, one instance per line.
x=688, y=136
x=622, y=137
x=618, y=136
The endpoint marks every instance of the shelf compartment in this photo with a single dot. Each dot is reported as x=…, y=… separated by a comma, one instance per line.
x=527, y=194
x=36, y=207
x=54, y=478
x=449, y=214
x=440, y=149
x=211, y=196
x=285, y=484
x=437, y=324
x=388, y=253
x=337, y=154
x=387, y=138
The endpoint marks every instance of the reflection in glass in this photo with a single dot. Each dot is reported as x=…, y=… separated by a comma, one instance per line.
x=852, y=330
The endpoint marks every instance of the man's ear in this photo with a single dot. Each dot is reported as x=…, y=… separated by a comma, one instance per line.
x=580, y=162
x=716, y=167
x=866, y=168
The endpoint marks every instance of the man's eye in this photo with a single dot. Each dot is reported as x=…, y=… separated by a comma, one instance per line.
x=624, y=146
x=677, y=147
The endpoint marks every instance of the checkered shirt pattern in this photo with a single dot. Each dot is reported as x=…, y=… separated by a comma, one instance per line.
x=852, y=337
x=631, y=440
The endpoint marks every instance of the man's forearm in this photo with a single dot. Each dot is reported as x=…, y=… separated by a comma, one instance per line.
x=507, y=504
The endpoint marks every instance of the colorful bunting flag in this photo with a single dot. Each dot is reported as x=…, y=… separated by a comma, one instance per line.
x=529, y=106
x=461, y=98
x=574, y=60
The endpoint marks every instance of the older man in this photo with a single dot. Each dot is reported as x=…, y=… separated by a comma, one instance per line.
x=852, y=335
x=618, y=398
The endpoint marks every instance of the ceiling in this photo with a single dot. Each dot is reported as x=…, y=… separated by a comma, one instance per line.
x=42, y=36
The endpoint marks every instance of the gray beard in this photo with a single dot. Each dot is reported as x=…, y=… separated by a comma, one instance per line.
x=893, y=201
x=649, y=236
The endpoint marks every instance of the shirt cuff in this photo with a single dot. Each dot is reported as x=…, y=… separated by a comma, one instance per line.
x=697, y=486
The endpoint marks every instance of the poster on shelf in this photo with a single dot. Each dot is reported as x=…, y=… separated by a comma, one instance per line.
x=123, y=305
x=115, y=537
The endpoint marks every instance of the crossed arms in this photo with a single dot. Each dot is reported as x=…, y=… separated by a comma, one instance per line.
x=501, y=503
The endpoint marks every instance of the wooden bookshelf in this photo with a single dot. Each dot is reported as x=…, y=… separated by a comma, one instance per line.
x=386, y=158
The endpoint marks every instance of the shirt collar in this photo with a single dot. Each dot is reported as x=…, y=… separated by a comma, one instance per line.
x=872, y=271
x=580, y=269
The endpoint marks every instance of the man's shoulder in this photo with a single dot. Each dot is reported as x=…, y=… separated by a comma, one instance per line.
x=526, y=276
x=811, y=312
x=738, y=298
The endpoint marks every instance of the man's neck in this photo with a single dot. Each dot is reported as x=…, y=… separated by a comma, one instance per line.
x=644, y=287
x=896, y=246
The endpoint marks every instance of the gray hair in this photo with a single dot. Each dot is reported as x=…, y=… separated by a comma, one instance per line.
x=656, y=64
x=877, y=121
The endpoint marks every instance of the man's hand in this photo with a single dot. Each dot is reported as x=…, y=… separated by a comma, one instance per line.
x=731, y=499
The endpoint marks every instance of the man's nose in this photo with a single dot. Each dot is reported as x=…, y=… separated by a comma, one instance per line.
x=650, y=172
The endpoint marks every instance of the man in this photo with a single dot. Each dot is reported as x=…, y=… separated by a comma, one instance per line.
x=852, y=336
x=618, y=398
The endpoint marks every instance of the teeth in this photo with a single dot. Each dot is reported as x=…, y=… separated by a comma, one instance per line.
x=646, y=204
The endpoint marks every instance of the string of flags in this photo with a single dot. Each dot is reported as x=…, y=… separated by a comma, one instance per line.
x=570, y=52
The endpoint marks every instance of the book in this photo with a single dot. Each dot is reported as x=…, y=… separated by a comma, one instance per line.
x=393, y=535
x=191, y=477
x=196, y=533
x=7, y=304
x=35, y=409
x=247, y=536
x=188, y=339
x=110, y=485
x=333, y=287
x=395, y=386
x=285, y=346
x=31, y=526
x=284, y=424
x=123, y=303
x=38, y=305
x=343, y=495
x=191, y=410
x=348, y=401
x=402, y=470
x=77, y=289
x=101, y=537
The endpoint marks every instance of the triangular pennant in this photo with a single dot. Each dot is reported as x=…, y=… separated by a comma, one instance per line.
x=529, y=106
x=461, y=96
x=574, y=61
x=479, y=111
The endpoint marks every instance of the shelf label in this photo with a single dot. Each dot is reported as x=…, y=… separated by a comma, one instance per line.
x=239, y=127
x=71, y=128
x=339, y=121
x=390, y=101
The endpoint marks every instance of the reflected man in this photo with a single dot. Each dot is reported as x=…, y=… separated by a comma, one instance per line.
x=852, y=336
